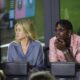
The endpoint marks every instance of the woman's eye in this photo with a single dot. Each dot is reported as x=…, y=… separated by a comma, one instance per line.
x=19, y=30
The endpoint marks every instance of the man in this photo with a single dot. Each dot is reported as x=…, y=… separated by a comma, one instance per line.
x=65, y=45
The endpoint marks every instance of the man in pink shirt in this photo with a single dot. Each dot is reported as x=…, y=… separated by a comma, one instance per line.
x=65, y=45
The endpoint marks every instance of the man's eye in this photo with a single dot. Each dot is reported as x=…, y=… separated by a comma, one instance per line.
x=60, y=30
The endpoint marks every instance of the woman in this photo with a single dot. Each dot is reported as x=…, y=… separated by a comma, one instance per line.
x=25, y=48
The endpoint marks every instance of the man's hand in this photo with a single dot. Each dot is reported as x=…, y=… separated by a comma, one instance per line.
x=60, y=44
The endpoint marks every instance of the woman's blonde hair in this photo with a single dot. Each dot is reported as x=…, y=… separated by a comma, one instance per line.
x=27, y=27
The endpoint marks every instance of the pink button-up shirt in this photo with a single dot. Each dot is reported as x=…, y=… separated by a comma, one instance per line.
x=57, y=55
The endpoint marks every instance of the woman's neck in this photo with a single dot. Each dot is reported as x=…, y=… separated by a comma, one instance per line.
x=24, y=42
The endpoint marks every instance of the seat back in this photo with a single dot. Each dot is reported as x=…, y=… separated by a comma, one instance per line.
x=63, y=69
x=15, y=69
x=46, y=58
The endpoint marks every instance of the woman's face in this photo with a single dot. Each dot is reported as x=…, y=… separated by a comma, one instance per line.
x=20, y=33
x=62, y=33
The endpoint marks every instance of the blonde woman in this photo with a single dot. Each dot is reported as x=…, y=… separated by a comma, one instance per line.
x=25, y=48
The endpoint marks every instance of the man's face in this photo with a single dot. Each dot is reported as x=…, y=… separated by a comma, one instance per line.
x=61, y=32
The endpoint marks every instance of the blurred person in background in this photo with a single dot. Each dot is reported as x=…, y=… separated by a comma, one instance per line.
x=41, y=75
x=2, y=75
x=4, y=18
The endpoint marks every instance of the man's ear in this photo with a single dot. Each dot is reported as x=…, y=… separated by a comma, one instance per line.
x=70, y=32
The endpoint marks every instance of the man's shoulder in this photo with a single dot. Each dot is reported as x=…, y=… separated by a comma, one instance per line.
x=76, y=36
x=53, y=39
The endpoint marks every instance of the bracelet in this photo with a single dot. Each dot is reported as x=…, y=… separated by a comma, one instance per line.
x=65, y=51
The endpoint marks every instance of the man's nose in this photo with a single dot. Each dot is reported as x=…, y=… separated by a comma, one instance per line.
x=57, y=32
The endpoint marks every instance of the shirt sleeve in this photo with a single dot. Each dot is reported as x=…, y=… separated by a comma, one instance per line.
x=40, y=58
x=78, y=52
x=9, y=56
x=10, y=53
x=52, y=51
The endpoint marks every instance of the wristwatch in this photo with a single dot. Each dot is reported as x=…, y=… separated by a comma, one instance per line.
x=66, y=51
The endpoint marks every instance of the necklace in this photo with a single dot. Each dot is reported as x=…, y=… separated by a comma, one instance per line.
x=25, y=48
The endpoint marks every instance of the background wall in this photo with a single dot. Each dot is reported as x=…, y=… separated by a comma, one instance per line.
x=70, y=9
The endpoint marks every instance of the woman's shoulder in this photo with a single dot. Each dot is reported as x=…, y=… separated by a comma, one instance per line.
x=36, y=43
x=13, y=43
x=52, y=39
